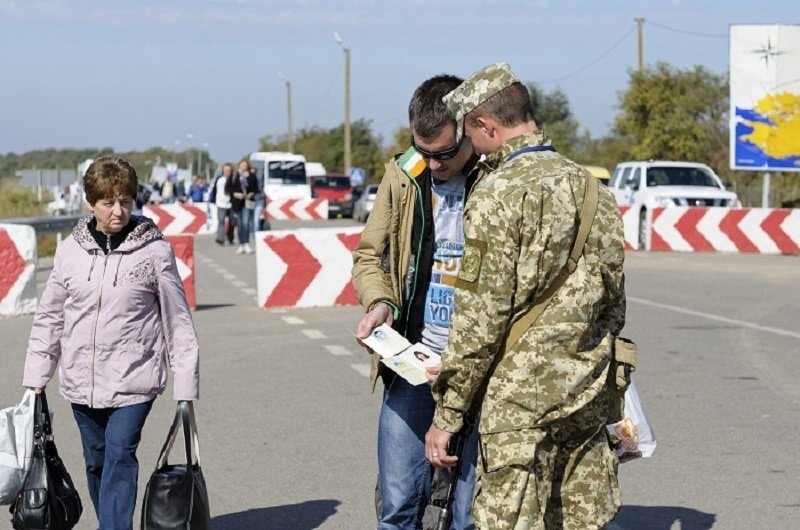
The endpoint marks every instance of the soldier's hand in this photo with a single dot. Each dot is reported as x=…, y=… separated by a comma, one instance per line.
x=380, y=314
x=432, y=372
x=436, y=442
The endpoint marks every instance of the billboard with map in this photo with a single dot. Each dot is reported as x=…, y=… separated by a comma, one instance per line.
x=765, y=97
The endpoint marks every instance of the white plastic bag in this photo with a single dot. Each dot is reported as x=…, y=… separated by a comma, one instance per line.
x=633, y=436
x=16, y=446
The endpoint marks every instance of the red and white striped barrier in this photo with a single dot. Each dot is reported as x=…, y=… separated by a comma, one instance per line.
x=183, y=246
x=630, y=224
x=748, y=230
x=17, y=270
x=303, y=209
x=183, y=218
x=307, y=267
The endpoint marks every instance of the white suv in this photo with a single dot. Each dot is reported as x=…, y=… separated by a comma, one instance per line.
x=660, y=184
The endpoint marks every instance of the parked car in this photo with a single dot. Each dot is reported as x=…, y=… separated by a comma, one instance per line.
x=664, y=184
x=363, y=205
x=337, y=189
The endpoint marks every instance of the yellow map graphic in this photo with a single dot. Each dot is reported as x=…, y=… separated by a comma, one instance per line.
x=781, y=137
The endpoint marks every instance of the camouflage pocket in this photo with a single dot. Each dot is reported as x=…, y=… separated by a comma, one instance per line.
x=509, y=449
x=623, y=363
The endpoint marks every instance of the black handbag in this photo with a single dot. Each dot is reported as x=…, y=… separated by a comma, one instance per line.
x=176, y=497
x=48, y=500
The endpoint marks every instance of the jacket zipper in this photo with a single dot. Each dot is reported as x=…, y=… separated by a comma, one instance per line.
x=97, y=318
x=418, y=256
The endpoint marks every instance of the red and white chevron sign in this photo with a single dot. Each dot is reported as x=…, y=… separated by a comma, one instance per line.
x=181, y=218
x=307, y=267
x=17, y=269
x=630, y=225
x=183, y=247
x=304, y=209
x=750, y=230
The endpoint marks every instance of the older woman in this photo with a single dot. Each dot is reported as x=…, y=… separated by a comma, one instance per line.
x=112, y=317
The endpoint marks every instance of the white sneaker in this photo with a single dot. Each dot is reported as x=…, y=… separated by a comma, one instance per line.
x=240, y=250
x=247, y=249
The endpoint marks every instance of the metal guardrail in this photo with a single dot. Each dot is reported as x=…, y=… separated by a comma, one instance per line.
x=47, y=225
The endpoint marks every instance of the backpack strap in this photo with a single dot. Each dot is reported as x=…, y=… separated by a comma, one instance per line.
x=588, y=210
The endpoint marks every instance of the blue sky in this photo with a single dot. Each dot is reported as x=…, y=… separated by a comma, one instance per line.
x=138, y=74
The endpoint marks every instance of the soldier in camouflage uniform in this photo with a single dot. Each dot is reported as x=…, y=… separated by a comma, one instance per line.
x=545, y=461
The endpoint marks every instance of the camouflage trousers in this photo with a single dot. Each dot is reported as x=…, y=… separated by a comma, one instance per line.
x=529, y=481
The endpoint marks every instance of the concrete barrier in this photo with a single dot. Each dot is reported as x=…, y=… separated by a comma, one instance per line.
x=183, y=246
x=303, y=209
x=746, y=230
x=18, y=294
x=309, y=267
x=183, y=218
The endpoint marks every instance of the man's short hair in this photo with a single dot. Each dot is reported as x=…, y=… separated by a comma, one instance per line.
x=511, y=106
x=485, y=85
x=427, y=113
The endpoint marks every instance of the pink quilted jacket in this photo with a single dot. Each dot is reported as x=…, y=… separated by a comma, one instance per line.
x=114, y=323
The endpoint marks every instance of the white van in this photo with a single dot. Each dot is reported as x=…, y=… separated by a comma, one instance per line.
x=282, y=174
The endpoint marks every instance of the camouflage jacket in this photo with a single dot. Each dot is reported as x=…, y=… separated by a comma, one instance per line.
x=520, y=222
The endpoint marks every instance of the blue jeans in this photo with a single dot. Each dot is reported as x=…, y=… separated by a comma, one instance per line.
x=258, y=216
x=404, y=472
x=110, y=438
x=244, y=222
x=225, y=232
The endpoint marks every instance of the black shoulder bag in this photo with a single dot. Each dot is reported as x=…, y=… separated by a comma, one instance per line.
x=48, y=500
x=176, y=497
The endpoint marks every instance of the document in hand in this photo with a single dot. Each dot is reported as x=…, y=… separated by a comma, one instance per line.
x=407, y=360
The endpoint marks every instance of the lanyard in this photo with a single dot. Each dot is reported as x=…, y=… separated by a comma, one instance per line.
x=530, y=149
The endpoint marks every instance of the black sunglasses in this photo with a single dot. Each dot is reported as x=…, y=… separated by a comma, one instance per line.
x=444, y=154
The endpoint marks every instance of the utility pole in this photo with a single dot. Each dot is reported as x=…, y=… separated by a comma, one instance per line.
x=290, y=135
x=640, y=41
x=347, y=153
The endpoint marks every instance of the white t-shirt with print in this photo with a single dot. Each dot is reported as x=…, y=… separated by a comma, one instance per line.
x=448, y=249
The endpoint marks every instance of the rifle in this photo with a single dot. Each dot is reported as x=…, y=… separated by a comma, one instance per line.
x=454, y=448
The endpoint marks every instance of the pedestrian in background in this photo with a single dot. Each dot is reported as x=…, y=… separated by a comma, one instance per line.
x=220, y=197
x=404, y=268
x=546, y=459
x=168, y=190
x=198, y=189
x=242, y=189
x=113, y=362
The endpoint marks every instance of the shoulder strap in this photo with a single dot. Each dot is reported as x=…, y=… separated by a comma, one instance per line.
x=588, y=210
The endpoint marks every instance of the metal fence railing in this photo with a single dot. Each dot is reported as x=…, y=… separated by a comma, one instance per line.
x=46, y=225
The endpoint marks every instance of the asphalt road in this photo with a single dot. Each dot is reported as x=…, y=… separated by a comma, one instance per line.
x=287, y=421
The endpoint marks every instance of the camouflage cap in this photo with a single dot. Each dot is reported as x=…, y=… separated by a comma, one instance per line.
x=476, y=89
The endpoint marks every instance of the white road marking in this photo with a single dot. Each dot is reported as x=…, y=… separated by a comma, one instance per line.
x=229, y=276
x=335, y=349
x=249, y=291
x=718, y=318
x=313, y=334
x=363, y=369
x=293, y=320
x=239, y=283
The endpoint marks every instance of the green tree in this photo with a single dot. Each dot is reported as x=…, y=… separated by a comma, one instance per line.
x=552, y=115
x=401, y=141
x=672, y=114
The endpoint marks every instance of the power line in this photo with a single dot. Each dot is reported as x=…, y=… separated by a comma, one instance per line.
x=685, y=32
x=327, y=92
x=591, y=63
